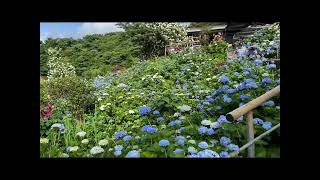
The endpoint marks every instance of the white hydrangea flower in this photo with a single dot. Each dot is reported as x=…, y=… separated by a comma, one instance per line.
x=214, y=125
x=108, y=104
x=96, y=150
x=102, y=107
x=85, y=141
x=192, y=150
x=176, y=114
x=105, y=94
x=265, y=74
x=81, y=134
x=110, y=149
x=64, y=155
x=103, y=142
x=184, y=108
x=131, y=112
x=135, y=147
x=191, y=141
x=182, y=117
x=206, y=122
x=44, y=140
x=73, y=149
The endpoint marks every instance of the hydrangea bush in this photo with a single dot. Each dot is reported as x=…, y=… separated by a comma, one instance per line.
x=183, y=116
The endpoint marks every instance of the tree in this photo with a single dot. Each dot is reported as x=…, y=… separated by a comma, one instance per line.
x=153, y=37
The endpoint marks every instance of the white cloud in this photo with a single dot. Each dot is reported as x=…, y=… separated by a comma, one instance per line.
x=98, y=28
x=56, y=34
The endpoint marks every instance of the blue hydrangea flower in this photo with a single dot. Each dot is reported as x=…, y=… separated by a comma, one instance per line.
x=226, y=99
x=174, y=123
x=58, y=126
x=210, y=131
x=203, y=145
x=271, y=66
x=133, y=154
x=207, y=153
x=278, y=81
x=224, y=154
x=257, y=121
x=257, y=61
x=241, y=86
x=99, y=82
x=224, y=141
x=118, y=147
x=266, y=125
x=202, y=130
x=180, y=138
x=156, y=112
x=160, y=119
x=218, y=107
x=199, y=107
x=180, y=142
x=250, y=83
x=224, y=79
x=195, y=155
x=164, y=143
x=119, y=135
x=236, y=74
x=231, y=91
x=195, y=87
x=243, y=97
x=225, y=88
x=241, y=104
x=117, y=153
x=181, y=129
x=123, y=85
x=144, y=110
x=127, y=138
x=240, y=119
x=268, y=103
x=222, y=119
x=246, y=72
x=178, y=151
x=149, y=129
x=233, y=147
x=266, y=80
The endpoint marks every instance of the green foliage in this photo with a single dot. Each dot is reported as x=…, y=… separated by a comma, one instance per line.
x=93, y=54
x=172, y=85
x=152, y=37
x=75, y=90
x=203, y=24
x=218, y=49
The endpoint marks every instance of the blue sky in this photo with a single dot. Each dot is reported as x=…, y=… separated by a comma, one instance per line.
x=75, y=30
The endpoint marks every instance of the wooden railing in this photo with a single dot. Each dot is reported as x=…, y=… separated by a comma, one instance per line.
x=247, y=111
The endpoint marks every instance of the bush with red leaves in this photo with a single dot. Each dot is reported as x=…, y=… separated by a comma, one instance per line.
x=47, y=112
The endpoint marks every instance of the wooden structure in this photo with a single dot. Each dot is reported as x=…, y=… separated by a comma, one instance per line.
x=247, y=111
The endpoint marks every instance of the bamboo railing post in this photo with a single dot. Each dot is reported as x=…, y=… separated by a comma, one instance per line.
x=250, y=133
x=235, y=114
x=165, y=50
x=235, y=153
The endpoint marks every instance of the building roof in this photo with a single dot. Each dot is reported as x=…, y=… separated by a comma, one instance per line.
x=218, y=27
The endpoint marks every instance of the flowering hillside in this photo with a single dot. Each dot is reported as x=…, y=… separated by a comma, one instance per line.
x=172, y=106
